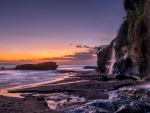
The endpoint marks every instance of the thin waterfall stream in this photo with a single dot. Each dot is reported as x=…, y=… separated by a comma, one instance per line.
x=112, y=60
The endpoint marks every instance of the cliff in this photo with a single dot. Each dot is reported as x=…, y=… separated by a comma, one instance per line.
x=132, y=44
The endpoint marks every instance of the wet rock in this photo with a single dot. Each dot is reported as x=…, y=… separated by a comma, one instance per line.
x=104, y=78
x=90, y=67
x=131, y=109
x=123, y=109
x=136, y=93
x=102, y=69
x=68, y=99
x=45, y=104
x=122, y=66
x=66, y=71
x=123, y=77
x=40, y=98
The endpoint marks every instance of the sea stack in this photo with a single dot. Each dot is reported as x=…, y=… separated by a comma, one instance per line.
x=39, y=66
x=2, y=67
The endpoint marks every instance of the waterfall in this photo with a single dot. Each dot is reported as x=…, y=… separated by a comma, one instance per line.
x=112, y=60
x=125, y=55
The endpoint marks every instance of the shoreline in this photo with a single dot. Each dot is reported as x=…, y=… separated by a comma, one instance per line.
x=86, y=85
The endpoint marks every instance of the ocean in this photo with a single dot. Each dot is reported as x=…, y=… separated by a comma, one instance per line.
x=10, y=78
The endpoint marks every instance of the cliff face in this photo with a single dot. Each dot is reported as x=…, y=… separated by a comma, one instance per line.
x=148, y=37
x=132, y=44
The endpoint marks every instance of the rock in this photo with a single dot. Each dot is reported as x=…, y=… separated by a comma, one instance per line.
x=123, y=77
x=45, y=104
x=132, y=43
x=104, y=78
x=133, y=77
x=66, y=71
x=123, y=69
x=123, y=109
x=123, y=66
x=40, y=98
x=39, y=66
x=2, y=67
x=102, y=69
x=90, y=67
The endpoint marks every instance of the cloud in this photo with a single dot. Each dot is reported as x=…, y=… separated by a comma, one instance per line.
x=86, y=46
x=92, y=50
x=78, y=56
x=79, y=46
x=96, y=49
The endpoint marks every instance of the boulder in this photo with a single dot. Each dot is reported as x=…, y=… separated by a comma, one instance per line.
x=122, y=77
x=39, y=66
x=66, y=71
x=90, y=67
x=124, y=69
x=102, y=69
x=103, y=78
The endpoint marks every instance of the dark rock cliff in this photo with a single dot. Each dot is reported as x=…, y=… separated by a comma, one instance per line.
x=132, y=44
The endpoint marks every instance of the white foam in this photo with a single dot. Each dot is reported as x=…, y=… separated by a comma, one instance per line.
x=145, y=86
x=61, y=101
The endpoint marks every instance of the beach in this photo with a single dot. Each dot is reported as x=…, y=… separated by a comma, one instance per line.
x=75, y=56
x=63, y=95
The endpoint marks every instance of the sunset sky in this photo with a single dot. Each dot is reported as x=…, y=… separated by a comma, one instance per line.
x=64, y=31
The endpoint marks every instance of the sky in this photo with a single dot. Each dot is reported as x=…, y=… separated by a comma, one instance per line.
x=64, y=31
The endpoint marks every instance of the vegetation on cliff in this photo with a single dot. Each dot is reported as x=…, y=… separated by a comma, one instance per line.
x=132, y=38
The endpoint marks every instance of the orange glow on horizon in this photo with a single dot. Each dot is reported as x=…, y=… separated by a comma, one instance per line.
x=37, y=55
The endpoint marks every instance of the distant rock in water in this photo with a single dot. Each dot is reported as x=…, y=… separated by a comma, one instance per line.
x=2, y=67
x=90, y=67
x=39, y=66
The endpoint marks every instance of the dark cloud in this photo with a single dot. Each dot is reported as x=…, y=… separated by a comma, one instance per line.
x=79, y=46
x=77, y=56
x=94, y=49
x=86, y=46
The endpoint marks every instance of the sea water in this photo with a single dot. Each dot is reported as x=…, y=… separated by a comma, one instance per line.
x=10, y=78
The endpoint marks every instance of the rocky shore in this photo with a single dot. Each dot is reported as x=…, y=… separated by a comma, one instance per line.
x=81, y=92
